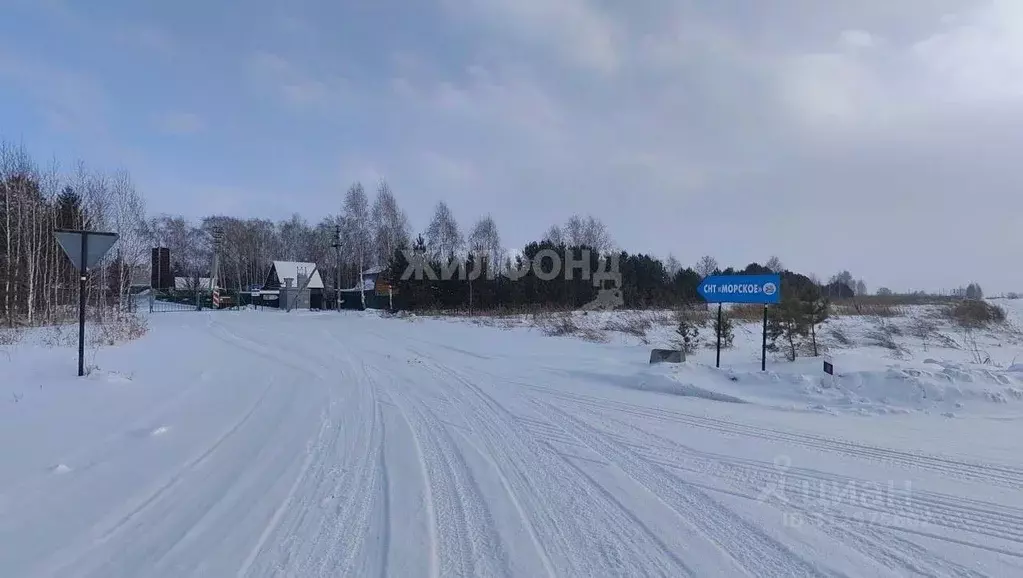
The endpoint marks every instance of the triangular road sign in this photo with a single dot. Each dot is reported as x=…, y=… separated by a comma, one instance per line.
x=96, y=245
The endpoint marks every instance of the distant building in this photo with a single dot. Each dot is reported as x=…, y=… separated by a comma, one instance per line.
x=160, y=267
x=298, y=285
x=374, y=288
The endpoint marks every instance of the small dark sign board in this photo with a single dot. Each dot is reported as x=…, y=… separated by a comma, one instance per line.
x=829, y=368
x=667, y=356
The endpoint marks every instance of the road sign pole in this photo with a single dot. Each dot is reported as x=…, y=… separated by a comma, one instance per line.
x=765, y=289
x=718, y=363
x=81, y=307
x=84, y=256
x=763, y=346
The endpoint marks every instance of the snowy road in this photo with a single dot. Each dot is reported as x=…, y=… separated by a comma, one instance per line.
x=266, y=444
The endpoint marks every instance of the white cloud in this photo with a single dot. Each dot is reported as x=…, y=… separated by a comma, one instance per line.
x=857, y=39
x=295, y=85
x=577, y=31
x=836, y=134
x=979, y=57
x=974, y=62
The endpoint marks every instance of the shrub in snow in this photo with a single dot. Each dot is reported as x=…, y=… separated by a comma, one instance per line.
x=60, y=336
x=726, y=329
x=883, y=335
x=557, y=324
x=592, y=334
x=633, y=324
x=787, y=325
x=817, y=312
x=10, y=335
x=687, y=330
x=839, y=336
x=923, y=328
x=126, y=327
x=974, y=313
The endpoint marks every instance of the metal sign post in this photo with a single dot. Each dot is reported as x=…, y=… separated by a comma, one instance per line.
x=84, y=249
x=763, y=345
x=718, y=331
x=720, y=289
x=337, y=267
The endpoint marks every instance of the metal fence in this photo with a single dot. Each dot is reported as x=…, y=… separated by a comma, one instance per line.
x=166, y=300
x=169, y=300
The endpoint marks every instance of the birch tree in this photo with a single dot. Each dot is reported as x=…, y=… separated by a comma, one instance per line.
x=356, y=234
x=486, y=241
x=444, y=240
x=129, y=216
x=390, y=225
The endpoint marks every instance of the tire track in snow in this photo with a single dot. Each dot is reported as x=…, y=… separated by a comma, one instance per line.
x=428, y=498
x=385, y=479
x=466, y=540
x=757, y=553
x=311, y=455
x=106, y=530
x=165, y=531
x=876, y=541
x=594, y=547
x=1006, y=476
x=932, y=508
x=541, y=552
x=323, y=532
x=182, y=473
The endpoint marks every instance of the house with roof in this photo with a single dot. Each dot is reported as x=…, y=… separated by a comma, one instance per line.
x=372, y=294
x=297, y=284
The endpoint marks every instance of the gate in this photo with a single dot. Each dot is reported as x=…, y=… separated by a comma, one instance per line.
x=164, y=300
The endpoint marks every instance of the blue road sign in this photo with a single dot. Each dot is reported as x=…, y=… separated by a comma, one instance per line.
x=741, y=288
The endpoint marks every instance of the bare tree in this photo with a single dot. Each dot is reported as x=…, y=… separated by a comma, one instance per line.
x=390, y=225
x=706, y=266
x=672, y=266
x=443, y=238
x=292, y=234
x=180, y=237
x=37, y=282
x=129, y=224
x=590, y=232
x=843, y=277
x=775, y=264
x=486, y=242
x=554, y=235
x=861, y=288
x=356, y=235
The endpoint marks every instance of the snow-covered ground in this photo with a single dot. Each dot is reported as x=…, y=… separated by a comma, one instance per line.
x=273, y=444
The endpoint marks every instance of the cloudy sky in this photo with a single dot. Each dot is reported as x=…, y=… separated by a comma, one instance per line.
x=880, y=136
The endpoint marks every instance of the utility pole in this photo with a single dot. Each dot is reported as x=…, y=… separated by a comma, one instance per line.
x=362, y=282
x=337, y=269
x=218, y=240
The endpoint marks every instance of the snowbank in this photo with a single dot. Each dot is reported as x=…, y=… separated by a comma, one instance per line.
x=939, y=369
